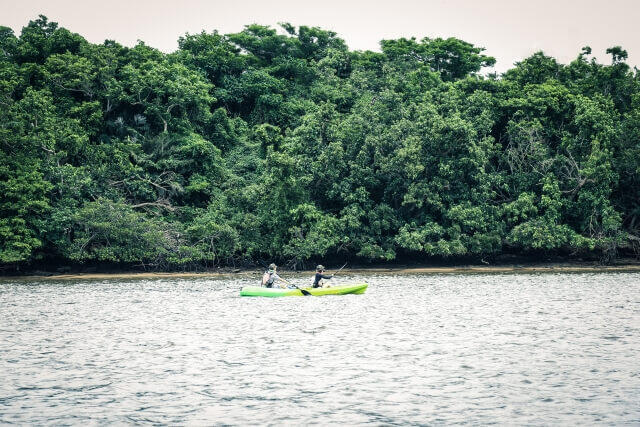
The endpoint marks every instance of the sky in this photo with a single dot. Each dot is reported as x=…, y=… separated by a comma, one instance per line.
x=509, y=30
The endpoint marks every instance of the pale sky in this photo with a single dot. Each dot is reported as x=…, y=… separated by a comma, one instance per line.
x=510, y=30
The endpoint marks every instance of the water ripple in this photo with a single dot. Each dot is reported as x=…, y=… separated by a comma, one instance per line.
x=415, y=349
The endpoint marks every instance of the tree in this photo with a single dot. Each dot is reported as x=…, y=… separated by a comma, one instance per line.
x=452, y=58
x=283, y=143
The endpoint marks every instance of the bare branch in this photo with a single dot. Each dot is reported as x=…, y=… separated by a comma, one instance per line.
x=160, y=204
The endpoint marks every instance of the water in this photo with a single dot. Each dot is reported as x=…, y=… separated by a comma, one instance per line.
x=415, y=349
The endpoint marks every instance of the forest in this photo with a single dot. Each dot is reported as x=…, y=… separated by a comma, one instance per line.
x=284, y=144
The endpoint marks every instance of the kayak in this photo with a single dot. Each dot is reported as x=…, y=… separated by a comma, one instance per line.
x=259, y=291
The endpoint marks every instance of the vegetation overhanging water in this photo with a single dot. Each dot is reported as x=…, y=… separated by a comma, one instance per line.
x=290, y=147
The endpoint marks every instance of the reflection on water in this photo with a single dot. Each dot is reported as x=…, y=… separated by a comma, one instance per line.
x=423, y=349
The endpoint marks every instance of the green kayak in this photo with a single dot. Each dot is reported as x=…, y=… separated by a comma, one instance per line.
x=259, y=291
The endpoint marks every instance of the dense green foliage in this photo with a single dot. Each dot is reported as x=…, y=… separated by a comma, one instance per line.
x=286, y=145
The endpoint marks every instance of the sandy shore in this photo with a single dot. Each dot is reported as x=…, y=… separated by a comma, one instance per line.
x=547, y=268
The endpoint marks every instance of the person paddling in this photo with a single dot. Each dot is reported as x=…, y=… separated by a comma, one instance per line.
x=318, y=279
x=270, y=278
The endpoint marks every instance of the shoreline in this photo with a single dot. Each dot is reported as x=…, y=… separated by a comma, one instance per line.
x=471, y=269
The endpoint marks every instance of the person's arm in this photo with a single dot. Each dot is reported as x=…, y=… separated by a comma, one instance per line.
x=326, y=277
x=281, y=280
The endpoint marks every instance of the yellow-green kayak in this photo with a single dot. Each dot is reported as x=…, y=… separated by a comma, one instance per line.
x=259, y=291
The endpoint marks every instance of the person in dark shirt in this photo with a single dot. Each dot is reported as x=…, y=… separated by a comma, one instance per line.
x=317, y=281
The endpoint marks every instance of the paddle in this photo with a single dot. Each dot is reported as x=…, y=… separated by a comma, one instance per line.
x=345, y=264
x=304, y=292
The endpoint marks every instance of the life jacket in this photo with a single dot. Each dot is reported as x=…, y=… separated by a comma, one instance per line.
x=267, y=279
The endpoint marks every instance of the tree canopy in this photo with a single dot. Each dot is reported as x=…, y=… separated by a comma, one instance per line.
x=282, y=143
